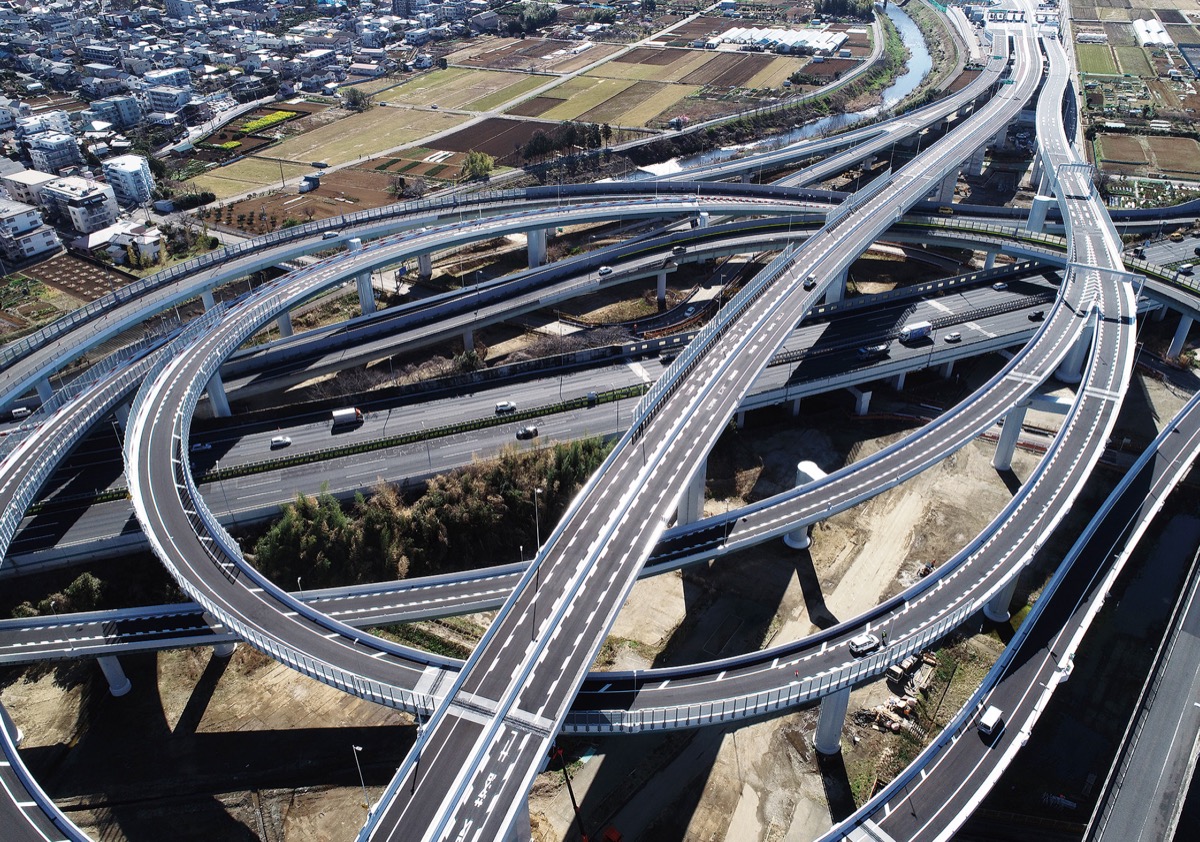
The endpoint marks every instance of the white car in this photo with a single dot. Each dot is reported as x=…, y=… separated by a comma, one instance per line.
x=280, y=441
x=505, y=407
x=955, y=336
x=864, y=644
x=999, y=286
x=604, y=270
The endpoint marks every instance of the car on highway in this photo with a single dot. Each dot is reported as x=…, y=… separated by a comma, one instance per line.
x=872, y=352
x=679, y=250
x=505, y=407
x=434, y=106
x=592, y=399
x=953, y=336
x=992, y=721
x=1037, y=315
x=280, y=441
x=668, y=358
x=201, y=445
x=999, y=285
x=810, y=282
x=864, y=644
x=529, y=432
x=330, y=235
x=604, y=270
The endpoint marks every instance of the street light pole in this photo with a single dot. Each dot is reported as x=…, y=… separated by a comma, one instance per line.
x=361, y=782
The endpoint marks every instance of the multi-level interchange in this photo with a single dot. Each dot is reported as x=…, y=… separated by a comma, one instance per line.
x=488, y=722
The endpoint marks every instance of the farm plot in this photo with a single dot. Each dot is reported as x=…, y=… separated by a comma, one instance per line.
x=590, y=94
x=460, y=87
x=776, y=73
x=425, y=163
x=728, y=70
x=1096, y=59
x=1120, y=33
x=701, y=27
x=497, y=136
x=364, y=135
x=831, y=68
x=1133, y=60
x=1182, y=34
x=647, y=64
x=1175, y=155
x=541, y=54
x=639, y=105
x=246, y=175
x=1123, y=151
x=341, y=192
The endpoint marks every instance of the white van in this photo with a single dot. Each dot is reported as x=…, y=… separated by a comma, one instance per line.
x=20, y=412
x=992, y=721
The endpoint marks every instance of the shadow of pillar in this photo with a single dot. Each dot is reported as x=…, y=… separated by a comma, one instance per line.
x=837, y=785
x=810, y=586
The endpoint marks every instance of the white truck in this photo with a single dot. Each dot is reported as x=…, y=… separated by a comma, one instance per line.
x=913, y=331
x=346, y=417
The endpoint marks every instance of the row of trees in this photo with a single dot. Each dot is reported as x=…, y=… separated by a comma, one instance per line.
x=859, y=9
x=566, y=137
x=475, y=516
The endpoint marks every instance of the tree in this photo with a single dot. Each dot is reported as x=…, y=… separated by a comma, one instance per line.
x=441, y=63
x=478, y=165
x=356, y=100
x=606, y=132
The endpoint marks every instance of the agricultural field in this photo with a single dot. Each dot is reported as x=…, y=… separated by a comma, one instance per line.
x=364, y=135
x=419, y=162
x=341, y=192
x=461, y=87
x=500, y=137
x=1096, y=59
x=1177, y=157
x=1133, y=60
x=246, y=175
x=541, y=55
x=592, y=99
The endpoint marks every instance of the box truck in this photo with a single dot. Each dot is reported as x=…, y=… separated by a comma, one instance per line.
x=346, y=417
x=913, y=331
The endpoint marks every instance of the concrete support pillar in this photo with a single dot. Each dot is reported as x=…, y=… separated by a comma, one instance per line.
x=989, y=260
x=44, y=390
x=975, y=164
x=944, y=192
x=469, y=339
x=806, y=472
x=691, y=504
x=536, y=239
x=1036, y=221
x=1044, y=183
x=836, y=291
x=206, y=298
x=1035, y=175
x=745, y=178
x=1180, y=337
x=661, y=292
x=522, y=829
x=118, y=682
x=121, y=415
x=862, y=400
x=702, y=220
x=425, y=266
x=216, y=396
x=898, y=381
x=1159, y=313
x=1009, y=434
x=14, y=732
x=1001, y=137
x=996, y=609
x=795, y=407
x=946, y=370
x=739, y=420
x=828, y=739
x=284, y=322
x=1071, y=369
x=366, y=293
x=220, y=650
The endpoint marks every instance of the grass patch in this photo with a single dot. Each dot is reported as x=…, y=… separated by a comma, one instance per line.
x=496, y=98
x=1133, y=60
x=1096, y=58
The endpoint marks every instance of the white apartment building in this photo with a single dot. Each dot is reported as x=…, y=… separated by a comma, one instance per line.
x=130, y=178
x=53, y=151
x=122, y=111
x=26, y=186
x=23, y=234
x=49, y=121
x=172, y=77
x=87, y=205
x=167, y=99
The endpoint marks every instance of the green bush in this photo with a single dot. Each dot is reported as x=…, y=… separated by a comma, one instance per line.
x=265, y=122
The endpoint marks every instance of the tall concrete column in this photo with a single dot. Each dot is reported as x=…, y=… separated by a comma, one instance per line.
x=996, y=609
x=1036, y=221
x=206, y=298
x=522, y=829
x=828, y=739
x=1181, y=334
x=536, y=239
x=946, y=370
x=121, y=415
x=898, y=381
x=217, y=397
x=661, y=291
x=691, y=504
x=1035, y=175
x=44, y=390
x=1009, y=434
x=795, y=407
x=366, y=293
x=702, y=220
x=220, y=650
x=118, y=682
x=944, y=192
x=1071, y=369
x=1044, y=183
x=425, y=266
x=739, y=419
x=989, y=260
x=806, y=472
x=975, y=165
x=862, y=400
x=469, y=339
x=284, y=322
x=836, y=291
